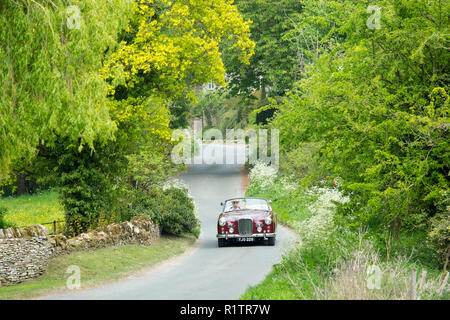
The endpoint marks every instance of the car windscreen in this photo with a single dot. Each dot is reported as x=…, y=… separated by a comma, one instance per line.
x=246, y=204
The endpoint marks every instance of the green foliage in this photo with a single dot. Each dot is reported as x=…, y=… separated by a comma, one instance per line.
x=3, y=223
x=301, y=163
x=171, y=208
x=98, y=266
x=172, y=46
x=148, y=168
x=50, y=77
x=275, y=61
x=376, y=103
x=289, y=200
x=440, y=231
x=88, y=182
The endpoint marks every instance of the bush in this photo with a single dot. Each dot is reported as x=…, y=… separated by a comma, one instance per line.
x=302, y=162
x=336, y=261
x=439, y=236
x=88, y=182
x=172, y=208
x=3, y=223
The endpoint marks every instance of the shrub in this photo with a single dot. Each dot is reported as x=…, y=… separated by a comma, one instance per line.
x=172, y=208
x=88, y=180
x=302, y=162
x=3, y=212
x=3, y=223
x=439, y=236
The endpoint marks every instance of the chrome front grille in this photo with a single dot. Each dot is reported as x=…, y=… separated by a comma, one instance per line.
x=245, y=226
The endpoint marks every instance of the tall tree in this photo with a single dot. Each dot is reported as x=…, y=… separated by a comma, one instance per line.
x=169, y=48
x=377, y=104
x=50, y=74
x=275, y=64
x=85, y=89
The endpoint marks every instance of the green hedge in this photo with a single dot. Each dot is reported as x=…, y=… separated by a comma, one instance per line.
x=173, y=209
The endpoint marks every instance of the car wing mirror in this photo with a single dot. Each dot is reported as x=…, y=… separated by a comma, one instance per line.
x=270, y=201
x=221, y=203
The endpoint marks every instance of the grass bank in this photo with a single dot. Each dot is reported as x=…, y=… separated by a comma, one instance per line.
x=333, y=260
x=99, y=266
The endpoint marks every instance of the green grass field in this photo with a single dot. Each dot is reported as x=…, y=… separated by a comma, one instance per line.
x=98, y=266
x=33, y=209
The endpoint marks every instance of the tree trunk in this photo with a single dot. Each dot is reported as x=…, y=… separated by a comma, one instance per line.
x=21, y=184
x=446, y=258
x=263, y=100
x=395, y=228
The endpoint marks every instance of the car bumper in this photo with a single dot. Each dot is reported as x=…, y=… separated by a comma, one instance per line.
x=255, y=235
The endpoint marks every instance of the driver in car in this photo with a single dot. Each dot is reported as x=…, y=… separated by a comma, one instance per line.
x=235, y=205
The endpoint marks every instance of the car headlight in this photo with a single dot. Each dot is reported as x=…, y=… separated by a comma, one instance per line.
x=268, y=220
x=259, y=229
x=230, y=230
x=222, y=222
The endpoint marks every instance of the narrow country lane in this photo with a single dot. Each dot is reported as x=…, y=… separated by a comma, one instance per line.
x=209, y=272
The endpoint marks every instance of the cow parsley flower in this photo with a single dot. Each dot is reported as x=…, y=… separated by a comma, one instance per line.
x=263, y=175
x=174, y=183
x=319, y=227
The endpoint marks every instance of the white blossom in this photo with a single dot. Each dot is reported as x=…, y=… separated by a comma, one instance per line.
x=263, y=175
x=320, y=225
x=288, y=184
x=174, y=183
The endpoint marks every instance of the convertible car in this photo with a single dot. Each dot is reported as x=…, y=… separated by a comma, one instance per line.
x=246, y=220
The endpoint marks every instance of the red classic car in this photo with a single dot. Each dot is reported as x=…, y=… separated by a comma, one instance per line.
x=246, y=220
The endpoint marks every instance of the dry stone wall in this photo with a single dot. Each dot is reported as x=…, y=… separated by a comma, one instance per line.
x=25, y=252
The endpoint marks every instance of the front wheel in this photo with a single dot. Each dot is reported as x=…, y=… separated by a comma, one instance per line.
x=221, y=242
x=271, y=241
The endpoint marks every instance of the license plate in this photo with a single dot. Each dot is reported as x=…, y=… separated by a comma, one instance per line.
x=246, y=239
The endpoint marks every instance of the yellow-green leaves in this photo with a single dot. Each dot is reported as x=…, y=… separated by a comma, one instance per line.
x=50, y=80
x=145, y=115
x=57, y=55
x=177, y=43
